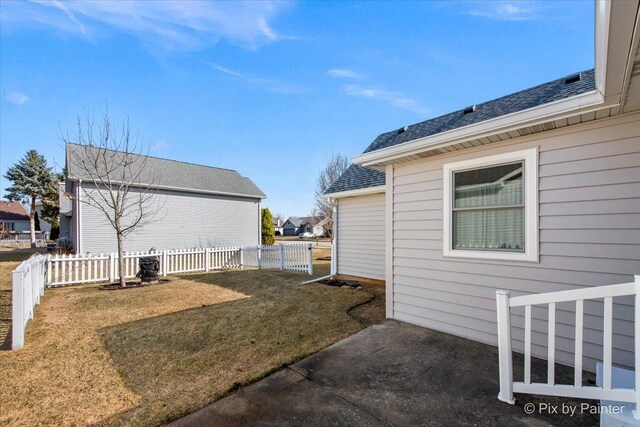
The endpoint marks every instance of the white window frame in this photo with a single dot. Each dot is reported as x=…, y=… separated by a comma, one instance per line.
x=530, y=158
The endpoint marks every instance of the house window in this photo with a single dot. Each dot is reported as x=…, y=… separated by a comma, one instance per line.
x=491, y=207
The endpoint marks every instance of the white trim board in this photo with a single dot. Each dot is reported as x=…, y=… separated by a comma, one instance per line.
x=530, y=157
x=357, y=192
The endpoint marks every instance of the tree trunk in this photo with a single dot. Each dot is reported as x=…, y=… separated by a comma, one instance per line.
x=32, y=221
x=121, y=273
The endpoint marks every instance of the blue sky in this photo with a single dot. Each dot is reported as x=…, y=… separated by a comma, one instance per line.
x=270, y=88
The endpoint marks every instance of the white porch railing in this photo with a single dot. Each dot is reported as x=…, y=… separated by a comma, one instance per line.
x=93, y=268
x=578, y=390
x=27, y=288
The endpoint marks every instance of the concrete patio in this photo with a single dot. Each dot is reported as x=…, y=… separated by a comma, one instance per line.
x=388, y=374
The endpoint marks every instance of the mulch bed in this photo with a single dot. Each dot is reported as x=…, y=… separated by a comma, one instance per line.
x=132, y=285
x=341, y=283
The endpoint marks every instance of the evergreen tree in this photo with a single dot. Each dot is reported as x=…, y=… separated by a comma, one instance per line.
x=30, y=179
x=268, y=234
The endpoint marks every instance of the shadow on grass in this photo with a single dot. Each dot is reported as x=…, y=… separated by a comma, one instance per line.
x=179, y=362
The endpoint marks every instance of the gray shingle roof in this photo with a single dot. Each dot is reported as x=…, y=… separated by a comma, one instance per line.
x=182, y=176
x=299, y=221
x=357, y=177
x=519, y=101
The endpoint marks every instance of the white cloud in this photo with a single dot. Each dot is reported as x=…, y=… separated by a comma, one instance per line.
x=166, y=25
x=504, y=11
x=269, y=85
x=16, y=98
x=160, y=146
x=344, y=73
x=396, y=99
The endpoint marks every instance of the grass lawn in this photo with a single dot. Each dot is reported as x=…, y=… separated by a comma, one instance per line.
x=149, y=355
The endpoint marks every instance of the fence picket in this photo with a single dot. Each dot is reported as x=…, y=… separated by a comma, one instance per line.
x=60, y=270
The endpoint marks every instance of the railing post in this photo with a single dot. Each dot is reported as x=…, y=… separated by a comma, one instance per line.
x=636, y=412
x=281, y=256
x=310, y=258
x=259, y=254
x=504, y=348
x=17, y=309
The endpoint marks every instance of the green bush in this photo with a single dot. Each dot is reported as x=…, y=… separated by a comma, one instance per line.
x=268, y=234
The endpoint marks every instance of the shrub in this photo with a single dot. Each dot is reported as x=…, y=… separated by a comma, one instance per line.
x=268, y=235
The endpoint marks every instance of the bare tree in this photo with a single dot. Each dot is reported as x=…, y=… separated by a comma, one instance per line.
x=113, y=168
x=335, y=166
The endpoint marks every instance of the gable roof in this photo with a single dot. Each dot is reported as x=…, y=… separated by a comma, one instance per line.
x=355, y=178
x=174, y=175
x=358, y=177
x=299, y=221
x=12, y=211
x=538, y=95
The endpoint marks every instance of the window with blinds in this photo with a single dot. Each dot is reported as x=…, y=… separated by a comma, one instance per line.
x=488, y=208
x=491, y=207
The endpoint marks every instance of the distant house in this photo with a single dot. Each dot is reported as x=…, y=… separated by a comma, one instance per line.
x=296, y=225
x=13, y=217
x=277, y=226
x=197, y=206
x=44, y=225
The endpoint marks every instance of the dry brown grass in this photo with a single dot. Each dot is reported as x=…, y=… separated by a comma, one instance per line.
x=149, y=355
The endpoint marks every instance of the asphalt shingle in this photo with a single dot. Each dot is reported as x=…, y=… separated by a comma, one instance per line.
x=357, y=177
x=165, y=173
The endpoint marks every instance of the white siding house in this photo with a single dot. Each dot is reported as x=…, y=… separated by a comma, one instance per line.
x=192, y=206
x=538, y=191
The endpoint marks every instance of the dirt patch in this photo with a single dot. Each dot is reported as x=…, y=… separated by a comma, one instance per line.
x=353, y=284
x=373, y=311
x=132, y=285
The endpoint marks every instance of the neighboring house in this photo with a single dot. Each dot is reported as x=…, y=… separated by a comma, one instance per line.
x=44, y=225
x=13, y=217
x=295, y=225
x=277, y=226
x=66, y=213
x=533, y=192
x=195, y=206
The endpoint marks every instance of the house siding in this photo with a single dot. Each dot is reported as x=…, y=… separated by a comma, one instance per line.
x=361, y=234
x=183, y=220
x=589, y=214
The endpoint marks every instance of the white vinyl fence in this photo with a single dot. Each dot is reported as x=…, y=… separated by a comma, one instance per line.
x=93, y=268
x=28, y=287
x=577, y=389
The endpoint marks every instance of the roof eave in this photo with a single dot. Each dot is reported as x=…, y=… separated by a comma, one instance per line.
x=185, y=190
x=579, y=104
x=356, y=192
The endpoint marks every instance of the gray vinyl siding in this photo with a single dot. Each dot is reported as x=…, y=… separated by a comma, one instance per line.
x=183, y=220
x=361, y=236
x=589, y=207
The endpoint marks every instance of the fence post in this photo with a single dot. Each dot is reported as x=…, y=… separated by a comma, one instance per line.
x=241, y=258
x=17, y=309
x=310, y=257
x=504, y=348
x=111, y=267
x=281, y=256
x=164, y=262
x=207, y=263
x=636, y=412
x=259, y=253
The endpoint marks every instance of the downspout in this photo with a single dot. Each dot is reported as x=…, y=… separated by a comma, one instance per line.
x=334, y=241
x=79, y=223
x=259, y=223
